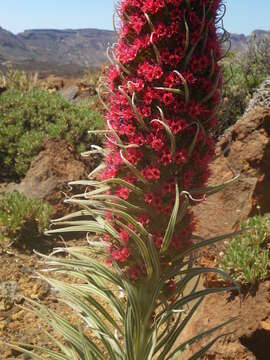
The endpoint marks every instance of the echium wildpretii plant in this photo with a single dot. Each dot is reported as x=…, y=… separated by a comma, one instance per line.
x=164, y=89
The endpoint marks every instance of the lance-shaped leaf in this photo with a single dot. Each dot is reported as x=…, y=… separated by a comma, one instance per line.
x=211, y=93
x=171, y=225
x=203, y=243
x=133, y=106
x=169, y=133
x=187, y=31
x=170, y=90
x=141, y=246
x=210, y=190
x=194, y=339
x=133, y=169
x=184, y=82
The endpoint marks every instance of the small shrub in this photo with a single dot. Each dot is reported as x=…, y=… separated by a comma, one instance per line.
x=247, y=256
x=255, y=61
x=28, y=119
x=236, y=94
x=19, y=80
x=23, y=219
x=246, y=71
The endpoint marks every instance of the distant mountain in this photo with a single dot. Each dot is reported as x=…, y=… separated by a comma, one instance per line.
x=240, y=42
x=11, y=46
x=69, y=51
x=66, y=50
x=84, y=47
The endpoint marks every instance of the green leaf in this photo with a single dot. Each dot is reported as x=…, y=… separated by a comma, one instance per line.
x=86, y=263
x=129, y=339
x=173, y=335
x=78, y=292
x=192, y=145
x=203, y=243
x=211, y=93
x=169, y=133
x=198, y=337
x=198, y=294
x=214, y=189
x=141, y=246
x=133, y=169
x=171, y=225
x=204, y=350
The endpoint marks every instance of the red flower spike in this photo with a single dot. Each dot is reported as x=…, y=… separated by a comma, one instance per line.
x=166, y=76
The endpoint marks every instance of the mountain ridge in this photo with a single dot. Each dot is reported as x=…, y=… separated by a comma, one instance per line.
x=239, y=42
x=46, y=50
x=71, y=50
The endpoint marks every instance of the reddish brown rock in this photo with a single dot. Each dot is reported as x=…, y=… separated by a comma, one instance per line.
x=244, y=149
x=248, y=336
x=49, y=174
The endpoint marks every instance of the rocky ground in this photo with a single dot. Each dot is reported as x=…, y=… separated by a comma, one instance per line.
x=18, y=276
x=47, y=178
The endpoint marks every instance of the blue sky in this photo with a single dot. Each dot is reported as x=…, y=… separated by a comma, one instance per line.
x=242, y=16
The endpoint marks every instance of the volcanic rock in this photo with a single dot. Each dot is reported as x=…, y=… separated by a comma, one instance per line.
x=50, y=173
x=70, y=92
x=248, y=334
x=244, y=150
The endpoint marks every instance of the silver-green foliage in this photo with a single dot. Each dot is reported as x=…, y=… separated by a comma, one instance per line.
x=143, y=323
x=23, y=219
x=28, y=119
x=247, y=256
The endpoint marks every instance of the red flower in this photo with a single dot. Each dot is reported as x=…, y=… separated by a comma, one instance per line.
x=157, y=142
x=189, y=77
x=124, y=235
x=160, y=32
x=145, y=81
x=158, y=241
x=120, y=255
x=149, y=72
x=180, y=156
x=134, y=155
x=133, y=273
x=177, y=125
x=174, y=2
x=168, y=188
x=153, y=6
x=144, y=219
x=123, y=193
x=194, y=109
x=151, y=173
x=149, y=198
x=137, y=22
x=165, y=158
x=168, y=98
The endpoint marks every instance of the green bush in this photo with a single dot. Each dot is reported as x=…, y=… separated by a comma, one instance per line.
x=247, y=256
x=243, y=80
x=246, y=71
x=28, y=119
x=23, y=219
